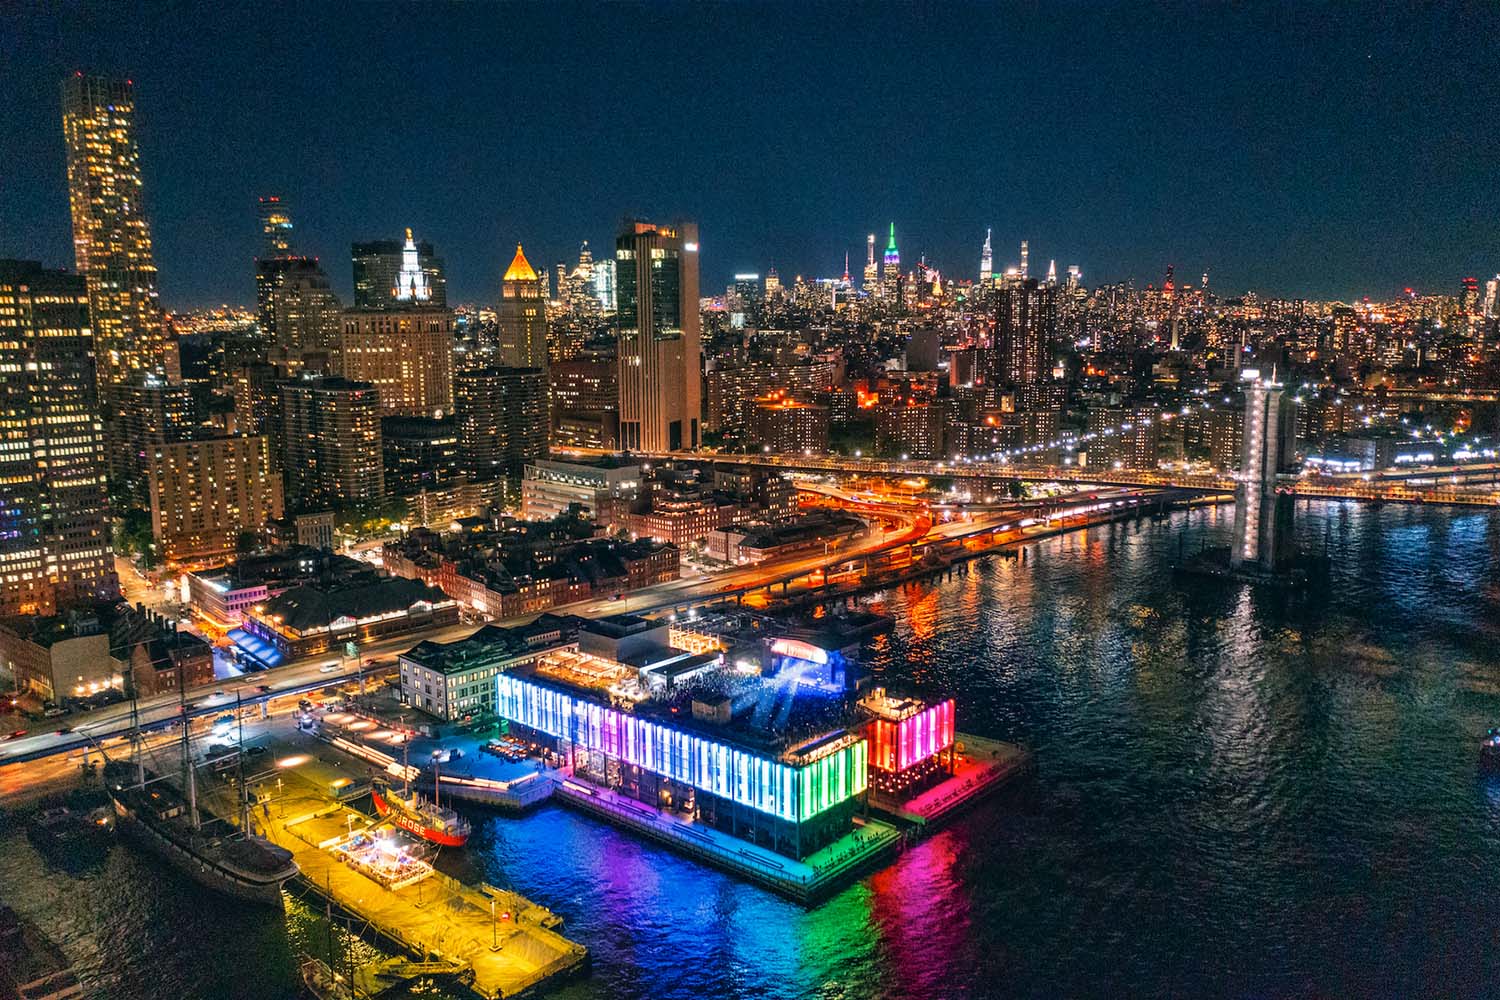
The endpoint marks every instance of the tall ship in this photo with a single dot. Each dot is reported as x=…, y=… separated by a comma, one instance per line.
x=169, y=824
x=432, y=822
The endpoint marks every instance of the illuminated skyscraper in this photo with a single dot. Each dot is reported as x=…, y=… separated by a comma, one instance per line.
x=275, y=226
x=394, y=273
x=1025, y=325
x=334, y=455
x=1263, y=516
x=502, y=419
x=1025, y=259
x=890, y=270
x=54, y=539
x=604, y=284
x=406, y=353
x=658, y=331
x=872, y=272
x=111, y=240
x=986, y=260
x=522, y=316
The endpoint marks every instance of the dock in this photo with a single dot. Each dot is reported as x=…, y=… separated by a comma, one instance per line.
x=983, y=767
x=508, y=944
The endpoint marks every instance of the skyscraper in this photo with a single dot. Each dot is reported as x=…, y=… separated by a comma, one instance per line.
x=522, y=316
x=658, y=330
x=1263, y=516
x=502, y=419
x=54, y=539
x=406, y=353
x=1025, y=325
x=333, y=446
x=297, y=310
x=111, y=239
x=890, y=270
x=872, y=273
x=986, y=261
x=391, y=273
x=275, y=226
x=604, y=284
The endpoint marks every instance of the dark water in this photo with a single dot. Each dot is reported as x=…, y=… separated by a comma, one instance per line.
x=1239, y=794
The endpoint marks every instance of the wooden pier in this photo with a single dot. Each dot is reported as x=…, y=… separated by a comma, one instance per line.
x=507, y=944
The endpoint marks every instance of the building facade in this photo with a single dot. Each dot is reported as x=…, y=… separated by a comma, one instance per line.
x=207, y=492
x=333, y=447
x=502, y=419
x=111, y=238
x=54, y=533
x=390, y=273
x=407, y=354
x=522, y=316
x=658, y=337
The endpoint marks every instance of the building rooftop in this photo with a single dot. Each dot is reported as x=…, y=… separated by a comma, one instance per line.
x=489, y=645
x=309, y=608
x=520, y=268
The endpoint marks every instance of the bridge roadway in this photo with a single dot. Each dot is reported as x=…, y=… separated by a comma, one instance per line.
x=1354, y=487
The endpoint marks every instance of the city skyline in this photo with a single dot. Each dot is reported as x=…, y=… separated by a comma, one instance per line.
x=1276, y=174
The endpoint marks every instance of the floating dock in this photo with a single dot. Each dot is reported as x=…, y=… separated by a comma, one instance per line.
x=981, y=767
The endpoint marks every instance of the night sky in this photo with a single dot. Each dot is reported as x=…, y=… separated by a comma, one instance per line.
x=1319, y=150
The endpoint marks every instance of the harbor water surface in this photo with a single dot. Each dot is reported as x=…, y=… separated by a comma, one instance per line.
x=1239, y=793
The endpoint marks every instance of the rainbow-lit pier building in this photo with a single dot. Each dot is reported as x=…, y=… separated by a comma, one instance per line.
x=775, y=760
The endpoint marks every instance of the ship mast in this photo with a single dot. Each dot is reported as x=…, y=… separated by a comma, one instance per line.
x=239, y=759
x=189, y=779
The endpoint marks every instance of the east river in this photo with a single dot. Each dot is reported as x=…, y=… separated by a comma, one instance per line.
x=1239, y=793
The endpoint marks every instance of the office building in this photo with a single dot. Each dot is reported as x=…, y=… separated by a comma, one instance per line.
x=522, y=316
x=502, y=419
x=393, y=273
x=407, y=354
x=54, y=536
x=658, y=329
x=208, y=492
x=551, y=488
x=604, y=285
x=890, y=270
x=111, y=239
x=1262, y=515
x=333, y=449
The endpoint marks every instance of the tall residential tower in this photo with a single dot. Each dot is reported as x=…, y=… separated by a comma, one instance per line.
x=111, y=239
x=54, y=538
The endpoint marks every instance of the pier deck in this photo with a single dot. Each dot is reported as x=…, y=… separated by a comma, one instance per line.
x=435, y=920
x=506, y=940
x=985, y=766
x=805, y=881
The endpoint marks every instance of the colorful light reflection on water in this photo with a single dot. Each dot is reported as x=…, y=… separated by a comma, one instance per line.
x=1237, y=795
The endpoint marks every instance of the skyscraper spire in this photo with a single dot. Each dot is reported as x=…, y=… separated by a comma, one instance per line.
x=986, y=260
x=411, y=281
x=846, y=267
x=1051, y=272
x=891, y=253
x=1025, y=254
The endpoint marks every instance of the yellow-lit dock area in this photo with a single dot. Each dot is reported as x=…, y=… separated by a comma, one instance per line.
x=509, y=943
x=496, y=942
